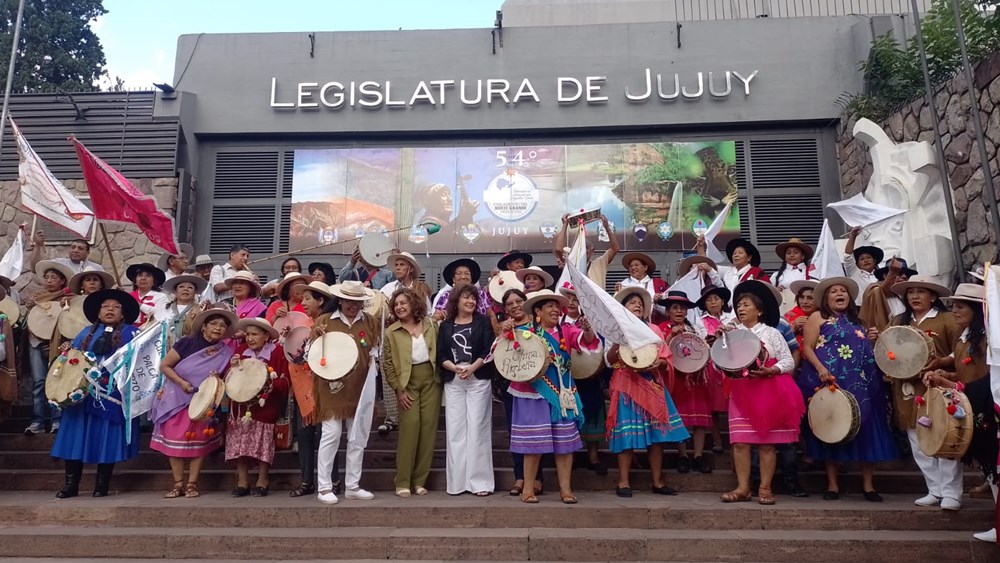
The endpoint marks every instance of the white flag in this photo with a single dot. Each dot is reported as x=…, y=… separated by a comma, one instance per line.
x=992, y=307
x=609, y=318
x=859, y=212
x=13, y=261
x=714, y=229
x=827, y=262
x=135, y=368
x=44, y=195
x=577, y=255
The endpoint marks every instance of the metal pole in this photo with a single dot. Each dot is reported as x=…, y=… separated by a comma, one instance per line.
x=977, y=123
x=956, y=246
x=10, y=72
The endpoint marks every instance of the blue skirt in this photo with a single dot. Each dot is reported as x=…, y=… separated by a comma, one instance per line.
x=634, y=431
x=90, y=438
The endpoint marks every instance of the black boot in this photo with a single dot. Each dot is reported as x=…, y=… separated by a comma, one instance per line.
x=103, y=482
x=74, y=470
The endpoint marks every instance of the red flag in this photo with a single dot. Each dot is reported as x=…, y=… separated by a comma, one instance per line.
x=115, y=199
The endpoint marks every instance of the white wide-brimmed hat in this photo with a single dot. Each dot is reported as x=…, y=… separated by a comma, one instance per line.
x=352, y=290
x=647, y=299
x=543, y=295
x=925, y=282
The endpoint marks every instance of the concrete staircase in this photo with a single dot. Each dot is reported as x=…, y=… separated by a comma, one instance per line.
x=137, y=523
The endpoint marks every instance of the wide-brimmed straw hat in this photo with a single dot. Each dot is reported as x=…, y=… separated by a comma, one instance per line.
x=513, y=255
x=685, y=265
x=971, y=292
x=722, y=292
x=925, y=282
x=540, y=296
x=794, y=242
x=643, y=257
x=134, y=270
x=798, y=285
x=247, y=277
x=824, y=285
x=448, y=274
x=170, y=286
x=291, y=277
x=76, y=282
x=768, y=295
x=351, y=290
x=743, y=243
x=259, y=323
x=320, y=288
x=547, y=279
x=567, y=288
x=207, y=314
x=647, y=299
x=678, y=297
x=203, y=260
x=391, y=259
x=46, y=265
x=92, y=305
x=184, y=248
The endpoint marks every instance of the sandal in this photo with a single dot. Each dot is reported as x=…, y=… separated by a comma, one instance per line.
x=735, y=496
x=567, y=498
x=483, y=493
x=403, y=493
x=530, y=499
x=303, y=490
x=191, y=491
x=516, y=490
x=421, y=491
x=540, y=488
x=765, y=496
x=177, y=491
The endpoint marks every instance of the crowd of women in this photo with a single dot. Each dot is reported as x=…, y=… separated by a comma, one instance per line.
x=438, y=348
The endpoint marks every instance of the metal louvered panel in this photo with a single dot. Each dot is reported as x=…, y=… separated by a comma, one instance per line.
x=778, y=218
x=284, y=227
x=241, y=175
x=745, y=231
x=116, y=126
x=741, y=166
x=785, y=163
x=244, y=224
x=287, y=172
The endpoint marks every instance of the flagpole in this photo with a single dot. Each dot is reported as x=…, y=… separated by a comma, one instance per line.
x=10, y=71
x=111, y=255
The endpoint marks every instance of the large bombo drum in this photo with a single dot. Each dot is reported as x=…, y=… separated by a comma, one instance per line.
x=377, y=305
x=737, y=352
x=902, y=351
x=9, y=308
x=42, y=319
x=584, y=365
x=66, y=383
x=834, y=415
x=689, y=352
x=296, y=345
x=333, y=356
x=502, y=283
x=375, y=249
x=291, y=320
x=944, y=423
x=72, y=321
x=641, y=358
x=246, y=379
x=521, y=355
x=206, y=399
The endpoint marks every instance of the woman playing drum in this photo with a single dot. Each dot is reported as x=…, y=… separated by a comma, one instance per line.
x=968, y=371
x=691, y=393
x=765, y=408
x=837, y=351
x=642, y=415
x=53, y=277
x=191, y=361
x=716, y=312
x=409, y=358
x=547, y=412
x=80, y=285
x=250, y=432
x=465, y=340
x=925, y=312
x=94, y=430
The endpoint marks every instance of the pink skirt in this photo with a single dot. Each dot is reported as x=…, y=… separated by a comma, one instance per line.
x=765, y=410
x=693, y=401
x=169, y=439
x=716, y=389
x=250, y=438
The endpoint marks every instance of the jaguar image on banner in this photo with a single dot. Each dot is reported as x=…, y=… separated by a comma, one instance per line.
x=491, y=199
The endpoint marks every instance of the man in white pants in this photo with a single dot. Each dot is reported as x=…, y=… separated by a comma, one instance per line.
x=349, y=400
x=943, y=477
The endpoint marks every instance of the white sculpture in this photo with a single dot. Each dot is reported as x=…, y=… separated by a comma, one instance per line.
x=906, y=176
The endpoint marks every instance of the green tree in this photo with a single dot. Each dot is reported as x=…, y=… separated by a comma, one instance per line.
x=57, y=48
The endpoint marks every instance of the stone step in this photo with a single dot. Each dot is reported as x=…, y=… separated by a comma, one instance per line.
x=644, y=511
x=582, y=544
x=382, y=480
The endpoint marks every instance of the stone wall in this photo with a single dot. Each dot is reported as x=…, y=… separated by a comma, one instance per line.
x=128, y=244
x=914, y=122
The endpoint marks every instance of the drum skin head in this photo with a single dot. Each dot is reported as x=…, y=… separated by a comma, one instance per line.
x=901, y=352
x=523, y=359
x=204, y=399
x=72, y=321
x=948, y=437
x=586, y=365
x=296, y=345
x=502, y=283
x=689, y=352
x=333, y=356
x=375, y=249
x=834, y=416
x=735, y=350
x=246, y=379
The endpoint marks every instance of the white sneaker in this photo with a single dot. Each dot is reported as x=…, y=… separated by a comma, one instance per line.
x=55, y=427
x=990, y=536
x=950, y=504
x=34, y=428
x=358, y=494
x=929, y=500
x=328, y=498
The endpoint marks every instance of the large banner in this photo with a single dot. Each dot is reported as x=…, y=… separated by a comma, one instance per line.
x=657, y=196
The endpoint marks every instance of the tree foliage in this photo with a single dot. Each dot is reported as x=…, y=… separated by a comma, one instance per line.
x=893, y=73
x=57, y=49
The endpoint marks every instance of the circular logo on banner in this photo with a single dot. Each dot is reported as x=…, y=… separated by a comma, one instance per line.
x=664, y=230
x=511, y=196
x=700, y=228
x=471, y=232
x=640, y=232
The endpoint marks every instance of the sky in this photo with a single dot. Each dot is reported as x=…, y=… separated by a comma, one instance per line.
x=140, y=36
